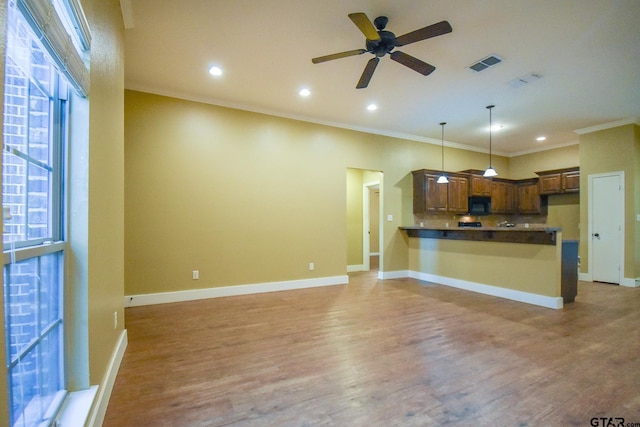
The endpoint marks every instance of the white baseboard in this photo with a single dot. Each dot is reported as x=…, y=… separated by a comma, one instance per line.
x=585, y=277
x=496, y=291
x=354, y=268
x=630, y=283
x=226, y=291
x=625, y=281
x=400, y=274
x=104, y=392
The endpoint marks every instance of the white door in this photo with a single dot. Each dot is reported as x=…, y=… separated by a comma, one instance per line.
x=607, y=214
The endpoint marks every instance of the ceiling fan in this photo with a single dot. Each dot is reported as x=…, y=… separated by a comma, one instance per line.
x=380, y=42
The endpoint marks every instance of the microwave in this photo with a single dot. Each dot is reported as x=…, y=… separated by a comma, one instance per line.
x=479, y=205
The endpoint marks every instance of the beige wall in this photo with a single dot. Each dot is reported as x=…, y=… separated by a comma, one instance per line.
x=531, y=268
x=526, y=166
x=247, y=198
x=611, y=150
x=106, y=184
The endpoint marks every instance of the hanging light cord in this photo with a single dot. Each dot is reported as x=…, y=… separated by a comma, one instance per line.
x=490, y=130
x=442, y=124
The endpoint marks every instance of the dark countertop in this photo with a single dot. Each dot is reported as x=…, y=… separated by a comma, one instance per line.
x=533, y=235
x=519, y=228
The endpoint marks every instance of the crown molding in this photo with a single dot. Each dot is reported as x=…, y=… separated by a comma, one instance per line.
x=610, y=125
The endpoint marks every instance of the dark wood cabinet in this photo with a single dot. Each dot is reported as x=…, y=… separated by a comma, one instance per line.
x=428, y=195
x=571, y=181
x=479, y=185
x=503, y=197
x=529, y=201
x=559, y=181
x=458, y=198
x=431, y=197
x=550, y=184
x=508, y=197
x=436, y=195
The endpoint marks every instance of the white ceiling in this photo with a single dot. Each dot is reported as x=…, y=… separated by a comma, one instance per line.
x=588, y=52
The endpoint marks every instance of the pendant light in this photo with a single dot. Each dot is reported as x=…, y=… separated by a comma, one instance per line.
x=490, y=170
x=442, y=179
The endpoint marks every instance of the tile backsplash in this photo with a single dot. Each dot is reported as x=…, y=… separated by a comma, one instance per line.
x=441, y=220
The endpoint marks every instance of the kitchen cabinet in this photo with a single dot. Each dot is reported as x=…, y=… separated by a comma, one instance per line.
x=559, y=181
x=458, y=194
x=571, y=181
x=528, y=197
x=503, y=197
x=428, y=195
x=551, y=183
x=431, y=197
x=479, y=185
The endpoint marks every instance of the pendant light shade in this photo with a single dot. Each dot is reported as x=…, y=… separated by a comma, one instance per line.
x=442, y=179
x=490, y=170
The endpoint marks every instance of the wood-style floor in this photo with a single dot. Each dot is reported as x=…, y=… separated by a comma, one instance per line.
x=381, y=353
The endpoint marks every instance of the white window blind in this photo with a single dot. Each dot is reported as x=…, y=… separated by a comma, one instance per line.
x=51, y=31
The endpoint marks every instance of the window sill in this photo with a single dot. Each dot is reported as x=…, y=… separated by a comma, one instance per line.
x=75, y=408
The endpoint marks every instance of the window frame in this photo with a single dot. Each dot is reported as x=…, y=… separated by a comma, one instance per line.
x=36, y=249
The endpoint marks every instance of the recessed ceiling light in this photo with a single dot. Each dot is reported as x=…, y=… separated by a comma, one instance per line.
x=304, y=92
x=372, y=107
x=215, y=71
x=541, y=138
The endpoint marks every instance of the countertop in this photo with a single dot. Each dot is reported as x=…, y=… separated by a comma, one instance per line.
x=518, y=228
x=532, y=235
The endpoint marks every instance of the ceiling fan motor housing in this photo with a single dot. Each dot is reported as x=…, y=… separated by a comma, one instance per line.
x=384, y=45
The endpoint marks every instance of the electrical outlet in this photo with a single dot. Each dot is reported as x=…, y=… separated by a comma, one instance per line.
x=115, y=320
x=311, y=266
x=195, y=275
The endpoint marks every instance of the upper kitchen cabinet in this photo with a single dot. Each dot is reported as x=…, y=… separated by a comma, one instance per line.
x=528, y=197
x=559, y=181
x=428, y=195
x=478, y=184
x=431, y=197
x=458, y=200
x=503, y=196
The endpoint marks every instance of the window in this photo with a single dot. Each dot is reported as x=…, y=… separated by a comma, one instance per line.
x=34, y=135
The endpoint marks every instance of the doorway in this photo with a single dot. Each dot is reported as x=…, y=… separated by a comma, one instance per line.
x=371, y=226
x=364, y=225
x=606, y=227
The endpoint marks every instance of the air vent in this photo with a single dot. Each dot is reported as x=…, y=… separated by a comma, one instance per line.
x=485, y=63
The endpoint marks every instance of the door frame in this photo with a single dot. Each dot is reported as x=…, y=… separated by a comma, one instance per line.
x=621, y=218
x=366, y=222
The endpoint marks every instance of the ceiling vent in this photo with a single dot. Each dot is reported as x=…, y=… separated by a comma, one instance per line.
x=485, y=63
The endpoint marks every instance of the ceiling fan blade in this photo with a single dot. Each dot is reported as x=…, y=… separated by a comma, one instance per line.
x=438, y=29
x=413, y=63
x=364, y=24
x=338, y=55
x=367, y=73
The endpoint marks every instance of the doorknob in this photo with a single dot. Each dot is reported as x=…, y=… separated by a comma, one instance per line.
x=596, y=235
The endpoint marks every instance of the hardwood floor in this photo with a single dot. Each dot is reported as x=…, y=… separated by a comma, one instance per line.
x=381, y=353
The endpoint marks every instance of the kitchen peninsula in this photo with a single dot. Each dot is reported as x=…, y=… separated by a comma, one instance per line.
x=532, y=265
